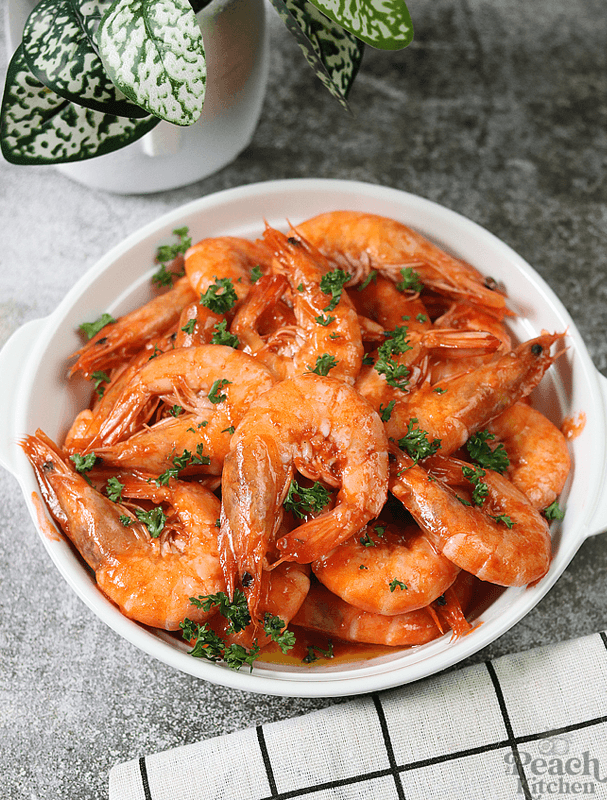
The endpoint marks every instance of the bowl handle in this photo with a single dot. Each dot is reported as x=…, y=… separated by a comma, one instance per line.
x=12, y=359
x=598, y=523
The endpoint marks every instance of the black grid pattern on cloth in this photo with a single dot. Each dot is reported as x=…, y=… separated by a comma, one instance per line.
x=396, y=771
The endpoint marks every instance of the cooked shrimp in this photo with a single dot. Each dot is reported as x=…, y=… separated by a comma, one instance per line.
x=467, y=403
x=155, y=449
x=326, y=321
x=325, y=612
x=386, y=570
x=322, y=428
x=87, y=424
x=197, y=324
x=282, y=593
x=538, y=453
x=225, y=257
x=119, y=340
x=505, y=541
x=381, y=385
x=150, y=580
x=381, y=301
x=360, y=242
x=197, y=379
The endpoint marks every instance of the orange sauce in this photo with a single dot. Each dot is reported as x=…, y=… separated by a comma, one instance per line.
x=47, y=528
x=572, y=426
x=343, y=652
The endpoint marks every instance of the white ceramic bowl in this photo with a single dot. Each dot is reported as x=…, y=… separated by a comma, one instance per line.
x=34, y=364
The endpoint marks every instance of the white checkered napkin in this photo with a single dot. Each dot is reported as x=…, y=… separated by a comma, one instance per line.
x=532, y=725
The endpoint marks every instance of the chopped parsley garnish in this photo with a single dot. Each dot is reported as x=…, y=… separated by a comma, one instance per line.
x=463, y=500
x=92, y=328
x=273, y=627
x=313, y=650
x=180, y=463
x=114, y=489
x=410, y=281
x=386, y=413
x=220, y=296
x=503, y=518
x=154, y=520
x=333, y=283
x=481, y=490
x=439, y=390
x=223, y=336
x=215, y=395
x=156, y=352
x=386, y=365
x=396, y=584
x=209, y=645
x=368, y=360
x=422, y=318
x=236, y=610
x=416, y=443
x=380, y=530
x=303, y=500
x=100, y=377
x=125, y=520
x=366, y=540
x=480, y=452
x=300, y=288
x=167, y=253
x=322, y=320
x=84, y=463
x=324, y=364
x=189, y=326
x=362, y=566
x=554, y=511
x=372, y=276
x=175, y=411
x=229, y=430
x=256, y=274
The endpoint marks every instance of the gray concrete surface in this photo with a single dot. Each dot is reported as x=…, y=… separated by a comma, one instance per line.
x=498, y=111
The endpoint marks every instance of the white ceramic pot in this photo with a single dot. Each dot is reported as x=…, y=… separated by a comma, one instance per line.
x=35, y=393
x=235, y=37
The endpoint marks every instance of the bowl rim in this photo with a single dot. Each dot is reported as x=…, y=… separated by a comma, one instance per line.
x=319, y=683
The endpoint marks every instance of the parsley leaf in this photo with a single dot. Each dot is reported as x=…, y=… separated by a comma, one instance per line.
x=396, y=584
x=503, y=518
x=333, y=283
x=322, y=320
x=302, y=500
x=175, y=411
x=168, y=252
x=92, y=328
x=154, y=520
x=372, y=276
x=273, y=627
x=235, y=655
x=114, y=489
x=416, y=443
x=313, y=650
x=235, y=610
x=125, y=520
x=386, y=413
x=220, y=296
x=324, y=364
x=410, y=281
x=256, y=274
x=474, y=475
x=222, y=336
x=189, y=326
x=366, y=540
x=396, y=343
x=480, y=452
x=215, y=395
x=84, y=463
x=100, y=377
x=554, y=511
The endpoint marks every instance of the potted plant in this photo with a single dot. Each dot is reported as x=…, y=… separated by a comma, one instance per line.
x=93, y=76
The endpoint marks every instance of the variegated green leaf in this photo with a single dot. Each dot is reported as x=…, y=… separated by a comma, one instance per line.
x=384, y=24
x=37, y=126
x=333, y=53
x=153, y=51
x=60, y=54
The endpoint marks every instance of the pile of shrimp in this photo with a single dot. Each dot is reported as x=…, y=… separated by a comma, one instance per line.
x=331, y=423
